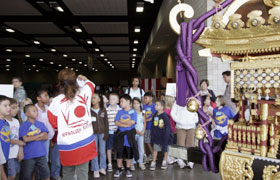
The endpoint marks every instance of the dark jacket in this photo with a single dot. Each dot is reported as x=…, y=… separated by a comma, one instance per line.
x=119, y=141
x=161, y=135
x=100, y=126
x=213, y=97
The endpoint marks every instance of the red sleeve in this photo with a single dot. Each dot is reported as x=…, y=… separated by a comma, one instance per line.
x=52, y=119
x=91, y=85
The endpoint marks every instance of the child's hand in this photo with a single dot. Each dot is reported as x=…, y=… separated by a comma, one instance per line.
x=82, y=78
x=21, y=143
x=20, y=155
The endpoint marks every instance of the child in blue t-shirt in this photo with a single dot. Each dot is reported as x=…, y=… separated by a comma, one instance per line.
x=4, y=131
x=34, y=134
x=125, y=136
x=221, y=115
x=149, y=111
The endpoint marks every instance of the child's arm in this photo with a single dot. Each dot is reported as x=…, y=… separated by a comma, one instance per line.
x=128, y=123
x=19, y=142
x=3, y=174
x=144, y=128
x=119, y=124
x=39, y=137
x=20, y=154
x=44, y=136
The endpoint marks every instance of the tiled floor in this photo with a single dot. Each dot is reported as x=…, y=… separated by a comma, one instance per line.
x=172, y=173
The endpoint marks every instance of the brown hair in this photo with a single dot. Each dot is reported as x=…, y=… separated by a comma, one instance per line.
x=162, y=103
x=204, y=80
x=67, y=81
x=222, y=100
x=169, y=101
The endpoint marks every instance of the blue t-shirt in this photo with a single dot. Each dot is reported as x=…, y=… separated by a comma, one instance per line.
x=221, y=117
x=123, y=115
x=5, y=137
x=33, y=149
x=149, y=113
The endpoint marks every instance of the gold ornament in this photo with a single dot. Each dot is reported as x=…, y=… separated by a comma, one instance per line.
x=271, y=173
x=199, y=133
x=193, y=105
x=255, y=19
x=236, y=166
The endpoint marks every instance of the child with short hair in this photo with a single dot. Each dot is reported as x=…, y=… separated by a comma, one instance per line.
x=34, y=134
x=4, y=131
x=100, y=128
x=16, y=146
x=112, y=111
x=149, y=111
x=169, y=101
x=42, y=98
x=221, y=115
x=25, y=102
x=161, y=135
x=19, y=93
x=140, y=131
x=125, y=143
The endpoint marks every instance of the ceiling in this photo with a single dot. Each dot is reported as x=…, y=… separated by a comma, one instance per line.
x=44, y=34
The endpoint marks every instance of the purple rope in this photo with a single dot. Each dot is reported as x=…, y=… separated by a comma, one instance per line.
x=187, y=81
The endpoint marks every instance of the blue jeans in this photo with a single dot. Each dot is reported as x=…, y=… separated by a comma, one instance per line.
x=101, y=148
x=140, y=143
x=55, y=161
x=29, y=165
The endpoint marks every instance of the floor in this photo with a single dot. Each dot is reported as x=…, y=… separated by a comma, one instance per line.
x=172, y=173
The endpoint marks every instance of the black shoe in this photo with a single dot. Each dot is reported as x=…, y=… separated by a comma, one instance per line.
x=118, y=173
x=128, y=174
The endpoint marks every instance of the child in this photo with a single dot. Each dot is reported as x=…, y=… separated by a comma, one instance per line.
x=25, y=102
x=105, y=100
x=34, y=134
x=140, y=131
x=69, y=113
x=2, y=162
x=4, y=131
x=100, y=128
x=42, y=98
x=207, y=108
x=149, y=110
x=19, y=93
x=185, y=128
x=161, y=135
x=16, y=147
x=112, y=111
x=125, y=136
x=169, y=101
x=221, y=115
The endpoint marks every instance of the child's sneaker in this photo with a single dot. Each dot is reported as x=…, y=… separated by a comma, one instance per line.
x=96, y=174
x=164, y=165
x=181, y=163
x=128, y=173
x=118, y=173
x=103, y=172
x=190, y=165
x=142, y=166
x=110, y=167
x=153, y=166
x=171, y=160
x=132, y=167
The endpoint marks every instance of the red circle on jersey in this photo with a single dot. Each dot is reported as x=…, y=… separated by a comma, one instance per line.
x=80, y=111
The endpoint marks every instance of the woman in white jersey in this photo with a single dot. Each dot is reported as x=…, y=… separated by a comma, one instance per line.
x=135, y=90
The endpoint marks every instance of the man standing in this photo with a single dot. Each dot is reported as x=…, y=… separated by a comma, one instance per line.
x=229, y=103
